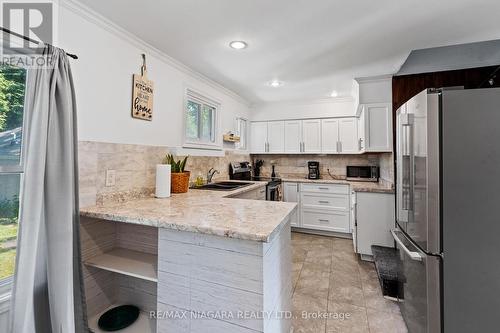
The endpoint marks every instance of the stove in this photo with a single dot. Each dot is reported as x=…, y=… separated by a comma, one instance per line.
x=243, y=171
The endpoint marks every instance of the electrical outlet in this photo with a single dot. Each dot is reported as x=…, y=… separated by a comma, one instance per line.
x=110, y=177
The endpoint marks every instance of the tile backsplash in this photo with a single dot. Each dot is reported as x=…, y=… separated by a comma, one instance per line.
x=296, y=165
x=135, y=168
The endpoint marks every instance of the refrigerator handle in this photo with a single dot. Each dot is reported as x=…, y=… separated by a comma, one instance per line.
x=408, y=123
x=413, y=255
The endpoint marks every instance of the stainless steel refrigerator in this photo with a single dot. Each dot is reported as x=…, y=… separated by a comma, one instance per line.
x=448, y=204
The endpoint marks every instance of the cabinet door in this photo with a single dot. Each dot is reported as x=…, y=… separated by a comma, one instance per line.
x=374, y=220
x=258, y=137
x=311, y=136
x=361, y=130
x=293, y=136
x=348, y=136
x=329, y=136
x=276, y=136
x=378, y=127
x=291, y=194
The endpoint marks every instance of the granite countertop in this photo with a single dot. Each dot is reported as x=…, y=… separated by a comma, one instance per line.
x=356, y=186
x=202, y=211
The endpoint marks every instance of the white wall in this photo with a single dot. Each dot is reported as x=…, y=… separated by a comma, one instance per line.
x=315, y=109
x=103, y=80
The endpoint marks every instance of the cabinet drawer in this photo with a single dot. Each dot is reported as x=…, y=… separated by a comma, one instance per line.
x=325, y=188
x=326, y=220
x=330, y=201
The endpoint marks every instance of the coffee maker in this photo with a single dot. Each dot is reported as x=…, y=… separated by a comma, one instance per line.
x=313, y=167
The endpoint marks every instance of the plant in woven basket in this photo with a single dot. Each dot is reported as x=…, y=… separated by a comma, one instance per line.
x=179, y=177
x=177, y=166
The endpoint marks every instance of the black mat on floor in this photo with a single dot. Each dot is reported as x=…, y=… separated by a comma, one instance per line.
x=389, y=271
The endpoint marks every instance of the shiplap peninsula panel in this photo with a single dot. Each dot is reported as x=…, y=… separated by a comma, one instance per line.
x=200, y=274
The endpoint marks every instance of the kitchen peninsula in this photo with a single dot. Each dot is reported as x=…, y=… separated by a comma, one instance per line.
x=204, y=261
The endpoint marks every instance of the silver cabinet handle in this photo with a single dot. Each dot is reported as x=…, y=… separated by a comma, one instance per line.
x=412, y=254
x=360, y=143
x=324, y=202
x=340, y=145
x=323, y=220
x=324, y=188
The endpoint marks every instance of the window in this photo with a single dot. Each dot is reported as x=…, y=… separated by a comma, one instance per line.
x=201, y=124
x=242, y=131
x=12, y=91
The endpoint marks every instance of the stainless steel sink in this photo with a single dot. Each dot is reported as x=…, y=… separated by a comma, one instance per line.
x=222, y=186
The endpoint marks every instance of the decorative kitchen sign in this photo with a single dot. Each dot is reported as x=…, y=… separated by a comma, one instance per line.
x=142, y=94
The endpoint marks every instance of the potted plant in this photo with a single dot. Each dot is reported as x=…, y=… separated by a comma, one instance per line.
x=180, y=178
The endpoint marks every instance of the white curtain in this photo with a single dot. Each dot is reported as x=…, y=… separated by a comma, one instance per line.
x=48, y=292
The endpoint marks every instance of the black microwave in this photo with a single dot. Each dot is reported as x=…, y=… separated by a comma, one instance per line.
x=363, y=173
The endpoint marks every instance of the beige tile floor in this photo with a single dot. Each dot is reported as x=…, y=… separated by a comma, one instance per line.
x=330, y=280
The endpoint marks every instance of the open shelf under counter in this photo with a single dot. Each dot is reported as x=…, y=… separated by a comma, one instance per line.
x=143, y=324
x=128, y=262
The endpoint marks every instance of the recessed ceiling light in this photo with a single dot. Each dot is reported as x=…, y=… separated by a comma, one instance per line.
x=276, y=83
x=238, y=45
x=334, y=93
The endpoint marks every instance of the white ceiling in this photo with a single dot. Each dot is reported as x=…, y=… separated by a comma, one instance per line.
x=314, y=46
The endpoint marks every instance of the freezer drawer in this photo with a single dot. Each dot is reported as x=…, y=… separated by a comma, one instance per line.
x=420, y=275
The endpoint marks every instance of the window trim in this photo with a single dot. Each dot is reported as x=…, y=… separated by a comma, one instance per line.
x=203, y=99
x=7, y=282
x=238, y=129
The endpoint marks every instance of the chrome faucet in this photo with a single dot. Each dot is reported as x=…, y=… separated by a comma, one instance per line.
x=211, y=173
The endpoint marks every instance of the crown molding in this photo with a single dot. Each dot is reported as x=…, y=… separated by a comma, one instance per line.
x=378, y=78
x=303, y=102
x=103, y=22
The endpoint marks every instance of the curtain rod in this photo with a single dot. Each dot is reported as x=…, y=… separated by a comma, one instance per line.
x=31, y=40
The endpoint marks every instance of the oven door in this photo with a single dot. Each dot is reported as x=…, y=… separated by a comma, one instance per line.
x=273, y=192
x=421, y=286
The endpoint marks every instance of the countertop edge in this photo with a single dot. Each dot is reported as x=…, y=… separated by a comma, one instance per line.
x=87, y=212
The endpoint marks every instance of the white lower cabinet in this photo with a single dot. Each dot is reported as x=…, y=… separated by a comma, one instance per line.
x=257, y=194
x=375, y=218
x=322, y=207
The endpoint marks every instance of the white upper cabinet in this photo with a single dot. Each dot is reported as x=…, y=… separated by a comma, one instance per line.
x=330, y=135
x=258, y=137
x=361, y=130
x=311, y=136
x=275, y=136
x=375, y=113
x=348, y=136
x=378, y=127
x=307, y=136
x=293, y=136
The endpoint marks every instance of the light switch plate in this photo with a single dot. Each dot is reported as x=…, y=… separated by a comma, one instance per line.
x=110, y=177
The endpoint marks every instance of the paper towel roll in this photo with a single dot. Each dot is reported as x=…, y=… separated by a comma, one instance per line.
x=163, y=180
